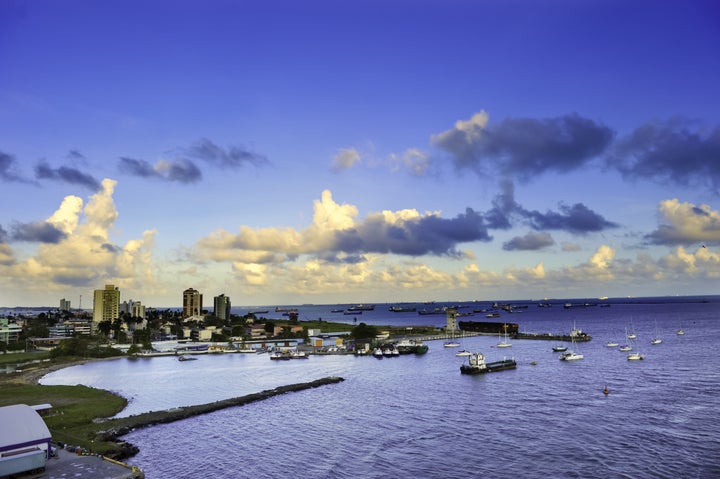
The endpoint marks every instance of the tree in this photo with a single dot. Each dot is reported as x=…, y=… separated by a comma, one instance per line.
x=363, y=331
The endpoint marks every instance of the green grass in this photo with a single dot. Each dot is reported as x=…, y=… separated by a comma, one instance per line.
x=74, y=409
x=13, y=358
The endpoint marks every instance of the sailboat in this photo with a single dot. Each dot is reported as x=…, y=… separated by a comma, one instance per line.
x=504, y=343
x=680, y=331
x=656, y=339
x=631, y=334
x=463, y=352
x=636, y=356
x=573, y=354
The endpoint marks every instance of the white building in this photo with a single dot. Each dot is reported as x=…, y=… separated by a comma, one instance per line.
x=24, y=440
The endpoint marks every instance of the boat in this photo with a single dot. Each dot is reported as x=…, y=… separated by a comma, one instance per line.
x=656, y=339
x=337, y=310
x=463, y=352
x=611, y=344
x=559, y=348
x=504, y=343
x=186, y=358
x=477, y=365
x=631, y=334
x=362, y=307
x=572, y=355
x=402, y=309
x=625, y=347
x=352, y=312
x=378, y=353
x=451, y=344
x=298, y=355
x=280, y=356
x=680, y=331
x=411, y=346
x=636, y=356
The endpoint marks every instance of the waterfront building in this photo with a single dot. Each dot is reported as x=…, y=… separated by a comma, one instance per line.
x=192, y=303
x=106, y=304
x=9, y=331
x=222, y=307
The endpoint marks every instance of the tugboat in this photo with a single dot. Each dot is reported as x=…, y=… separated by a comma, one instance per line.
x=477, y=365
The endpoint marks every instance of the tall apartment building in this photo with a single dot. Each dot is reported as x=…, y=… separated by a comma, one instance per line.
x=222, y=307
x=134, y=308
x=64, y=304
x=192, y=303
x=106, y=304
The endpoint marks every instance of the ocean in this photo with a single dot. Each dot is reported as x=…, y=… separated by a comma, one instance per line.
x=418, y=417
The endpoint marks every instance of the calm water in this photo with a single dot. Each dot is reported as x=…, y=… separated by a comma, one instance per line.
x=418, y=417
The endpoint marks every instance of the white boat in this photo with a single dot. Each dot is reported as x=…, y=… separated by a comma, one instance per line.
x=451, y=344
x=680, y=331
x=611, y=344
x=378, y=353
x=636, y=356
x=186, y=358
x=559, y=348
x=504, y=343
x=463, y=352
x=656, y=339
x=573, y=354
x=631, y=334
x=625, y=347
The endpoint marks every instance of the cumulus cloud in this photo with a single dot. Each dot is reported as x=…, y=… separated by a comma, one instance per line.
x=337, y=233
x=66, y=174
x=674, y=151
x=345, y=159
x=524, y=147
x=181, y=170
x=230, y=157
x=686, y=223
x=532, y=241
x=77, y=250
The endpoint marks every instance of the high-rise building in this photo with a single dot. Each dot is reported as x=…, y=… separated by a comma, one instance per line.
x=64, y=304
x=222, y=307
x=134, y=308
x=192, y=303
x=106, y=304
x=451, y=321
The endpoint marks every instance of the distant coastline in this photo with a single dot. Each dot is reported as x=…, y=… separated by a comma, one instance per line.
x=706, y=298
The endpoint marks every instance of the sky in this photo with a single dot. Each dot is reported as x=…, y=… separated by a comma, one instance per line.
x=284, y=152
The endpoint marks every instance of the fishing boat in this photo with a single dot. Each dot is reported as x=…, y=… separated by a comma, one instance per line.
x=477, y=365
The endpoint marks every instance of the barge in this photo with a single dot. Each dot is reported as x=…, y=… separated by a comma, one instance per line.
x=489, y=327
x=477, y=365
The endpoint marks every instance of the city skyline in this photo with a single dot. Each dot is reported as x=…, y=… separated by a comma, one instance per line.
x=284, y=153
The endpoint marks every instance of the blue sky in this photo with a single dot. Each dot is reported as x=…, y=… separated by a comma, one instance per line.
x=318, y=152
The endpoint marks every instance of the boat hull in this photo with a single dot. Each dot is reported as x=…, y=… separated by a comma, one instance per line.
x=489, y=367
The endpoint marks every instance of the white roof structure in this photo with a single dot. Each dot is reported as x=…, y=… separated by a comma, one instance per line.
x=22, y=427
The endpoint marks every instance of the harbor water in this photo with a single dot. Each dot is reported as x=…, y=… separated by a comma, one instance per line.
x=418, y=417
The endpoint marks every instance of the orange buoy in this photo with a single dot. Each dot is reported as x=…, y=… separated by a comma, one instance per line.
x=606, y=391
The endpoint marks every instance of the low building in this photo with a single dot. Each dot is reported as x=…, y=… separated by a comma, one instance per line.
x=24, y=440
x=256, y=331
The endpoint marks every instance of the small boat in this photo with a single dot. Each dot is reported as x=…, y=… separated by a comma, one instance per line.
x=280, y=356
x=559, y=348
x=298, y=355
x=611, y=344
x=625, y=347
x=186, y=358
x=411, y=346
x=656, y=339
x=377, y=352
x=504, y=343
x=337, y=310
x=451, y=344
x=680, y=332
x=477, y=365
x=635, y=356
x=464, y=352
x=571, y=356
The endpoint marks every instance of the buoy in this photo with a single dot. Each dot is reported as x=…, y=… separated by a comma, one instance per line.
x=606, y=391
x=534, y=363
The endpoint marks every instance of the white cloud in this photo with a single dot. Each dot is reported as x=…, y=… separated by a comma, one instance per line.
x=345, y=159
